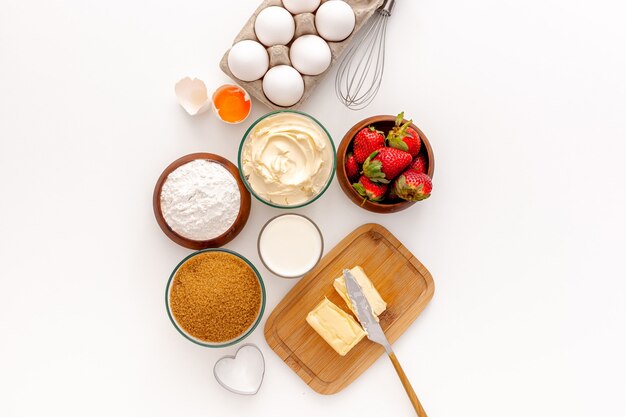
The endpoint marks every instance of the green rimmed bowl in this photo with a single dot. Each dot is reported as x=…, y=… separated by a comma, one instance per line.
x=201, y=342
x=275, y=204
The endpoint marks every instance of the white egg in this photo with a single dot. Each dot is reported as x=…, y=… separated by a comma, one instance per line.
x=335, y=20
x=283, y=85
x=248, y=60
x=310, y=55
x=274, y=26
x=301, y=6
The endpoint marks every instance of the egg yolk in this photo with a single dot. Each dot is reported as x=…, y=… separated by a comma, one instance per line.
x=231, y=103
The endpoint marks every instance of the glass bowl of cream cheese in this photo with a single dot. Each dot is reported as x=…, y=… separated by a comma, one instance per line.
x=287, y=159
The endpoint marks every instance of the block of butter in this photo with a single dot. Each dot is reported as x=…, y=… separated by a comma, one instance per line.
x=376, y=301
x=336, y=327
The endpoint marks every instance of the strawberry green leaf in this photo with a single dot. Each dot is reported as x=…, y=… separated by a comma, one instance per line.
x=399, y=118
x=395, y=135
x=399, y=185
x=406, y=192
x=359, y=189
x=398, y=143
x=373, y=171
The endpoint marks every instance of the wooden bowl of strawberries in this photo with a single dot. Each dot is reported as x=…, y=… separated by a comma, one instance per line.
x=385, y=164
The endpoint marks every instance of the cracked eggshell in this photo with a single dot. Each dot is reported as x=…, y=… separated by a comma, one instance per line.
x=192, y=95
x=233, y=100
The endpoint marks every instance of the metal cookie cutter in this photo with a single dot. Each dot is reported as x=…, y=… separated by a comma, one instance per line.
x=243, y=372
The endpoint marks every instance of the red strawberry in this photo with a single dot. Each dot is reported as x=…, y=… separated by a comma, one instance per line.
x=412, y=186
x=404, y=137
x=370, y=190
x=352, y=167
x=419, y=164
x=386, y=164
x=367, y=141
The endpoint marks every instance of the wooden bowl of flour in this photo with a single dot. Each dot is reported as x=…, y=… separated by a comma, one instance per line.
x=184, y=231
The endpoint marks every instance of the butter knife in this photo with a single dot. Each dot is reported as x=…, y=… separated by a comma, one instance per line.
x=375, y=334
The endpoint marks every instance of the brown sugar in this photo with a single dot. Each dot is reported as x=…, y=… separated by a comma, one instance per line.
x=215, y=296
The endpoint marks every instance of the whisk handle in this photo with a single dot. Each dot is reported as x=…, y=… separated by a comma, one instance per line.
x=387, y=7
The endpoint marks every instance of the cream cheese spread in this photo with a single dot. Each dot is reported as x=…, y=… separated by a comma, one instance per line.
x=287, y=159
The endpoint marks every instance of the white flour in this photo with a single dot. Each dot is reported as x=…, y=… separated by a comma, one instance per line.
x=200, y=200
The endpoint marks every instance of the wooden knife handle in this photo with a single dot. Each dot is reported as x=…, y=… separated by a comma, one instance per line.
x=407, y=386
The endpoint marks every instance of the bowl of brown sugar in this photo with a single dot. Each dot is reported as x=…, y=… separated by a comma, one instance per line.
x=215, y=297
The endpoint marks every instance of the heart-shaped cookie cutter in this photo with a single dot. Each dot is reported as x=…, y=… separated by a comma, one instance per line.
x=225, y=359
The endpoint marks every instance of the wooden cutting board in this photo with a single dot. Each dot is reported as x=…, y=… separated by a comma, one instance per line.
x=403, y=282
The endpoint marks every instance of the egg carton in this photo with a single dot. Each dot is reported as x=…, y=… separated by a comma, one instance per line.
x=279, y=55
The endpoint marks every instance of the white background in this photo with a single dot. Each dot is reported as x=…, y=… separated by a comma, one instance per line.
x=524, y=103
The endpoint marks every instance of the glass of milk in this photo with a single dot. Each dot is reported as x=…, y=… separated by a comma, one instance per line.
x=290, y=245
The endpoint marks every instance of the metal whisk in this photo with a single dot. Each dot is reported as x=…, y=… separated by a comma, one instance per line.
x=361, y=70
